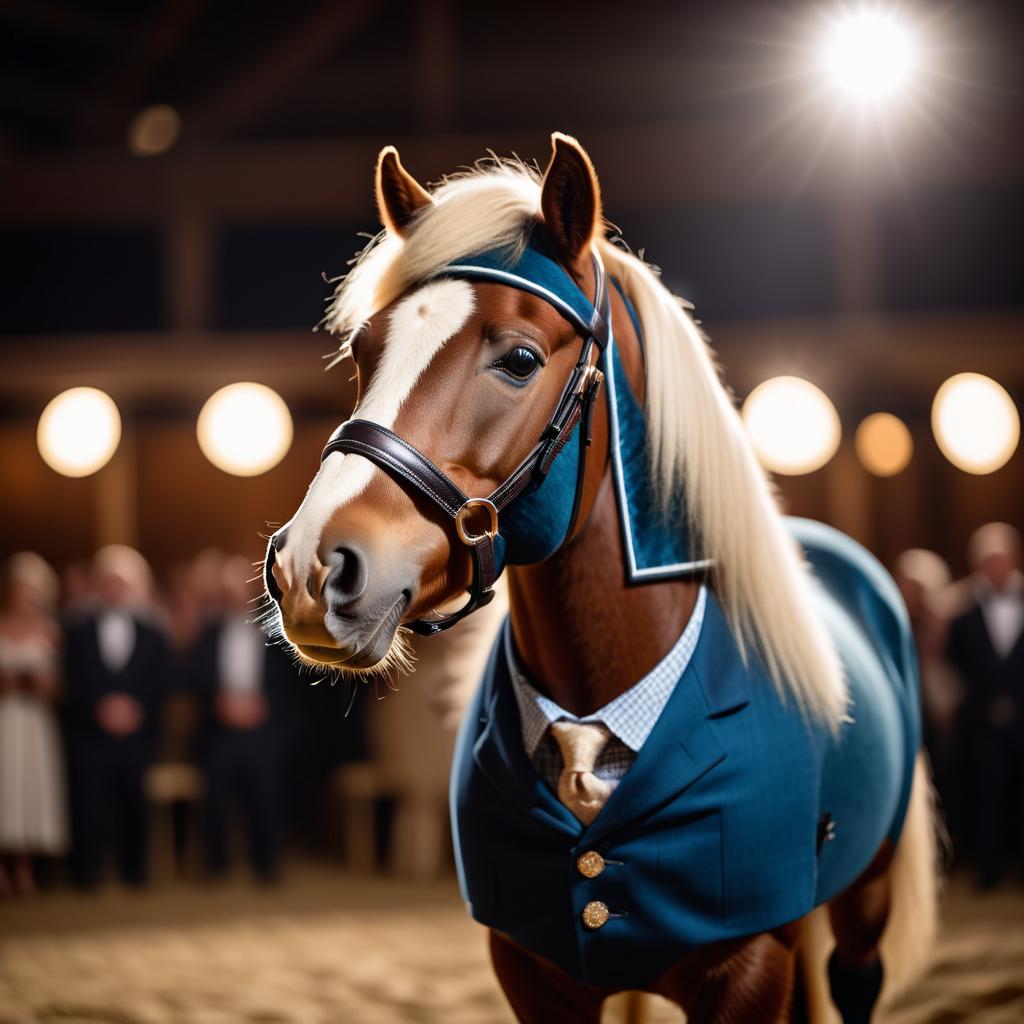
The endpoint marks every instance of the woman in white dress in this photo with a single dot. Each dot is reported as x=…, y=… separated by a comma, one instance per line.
x=33, y=812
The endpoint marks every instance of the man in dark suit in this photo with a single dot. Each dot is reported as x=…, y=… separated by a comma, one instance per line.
x=986, y=645
x=117, y=662
x=242, y=684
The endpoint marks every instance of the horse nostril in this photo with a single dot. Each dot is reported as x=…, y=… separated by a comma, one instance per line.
x=269, y=580
x=347, y=579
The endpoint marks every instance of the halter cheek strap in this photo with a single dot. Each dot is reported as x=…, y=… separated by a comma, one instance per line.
x=477, y=519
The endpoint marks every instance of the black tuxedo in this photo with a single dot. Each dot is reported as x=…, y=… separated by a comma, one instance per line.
x=106, y=772
x=992, y=730
x=243, y=765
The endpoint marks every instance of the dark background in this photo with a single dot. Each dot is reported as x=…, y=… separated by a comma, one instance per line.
x=874, y=255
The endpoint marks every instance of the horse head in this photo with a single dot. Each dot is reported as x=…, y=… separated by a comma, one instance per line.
x=469, y=445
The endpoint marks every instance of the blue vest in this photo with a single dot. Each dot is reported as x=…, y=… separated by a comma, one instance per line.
x=718, y=829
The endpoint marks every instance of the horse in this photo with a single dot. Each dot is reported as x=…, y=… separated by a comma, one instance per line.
x=771, y=840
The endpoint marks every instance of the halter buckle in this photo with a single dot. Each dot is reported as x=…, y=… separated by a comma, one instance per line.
x=467, y=511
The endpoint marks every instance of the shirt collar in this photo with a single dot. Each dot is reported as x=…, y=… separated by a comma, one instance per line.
x=632, y=715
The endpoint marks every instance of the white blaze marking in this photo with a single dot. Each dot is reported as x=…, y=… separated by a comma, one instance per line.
x=418, y=328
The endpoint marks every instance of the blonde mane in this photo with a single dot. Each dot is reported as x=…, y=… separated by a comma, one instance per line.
x=698, y=443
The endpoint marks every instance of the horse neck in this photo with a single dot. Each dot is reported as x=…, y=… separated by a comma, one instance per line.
x=583, y=635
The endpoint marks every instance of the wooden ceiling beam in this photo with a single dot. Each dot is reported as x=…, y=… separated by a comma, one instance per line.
x=647, y=167
x=856, y=359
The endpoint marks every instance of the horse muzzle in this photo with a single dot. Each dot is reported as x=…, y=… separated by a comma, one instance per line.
x=340, y=612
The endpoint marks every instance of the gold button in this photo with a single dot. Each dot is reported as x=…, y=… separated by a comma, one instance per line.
x=590, y=864
x=595, y=914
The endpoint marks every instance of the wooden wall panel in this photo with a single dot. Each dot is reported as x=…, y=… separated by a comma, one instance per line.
x=187, y=504
x=183, y=504
x=40, y=510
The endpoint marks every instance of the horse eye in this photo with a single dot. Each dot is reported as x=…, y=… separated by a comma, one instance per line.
x=521, y=363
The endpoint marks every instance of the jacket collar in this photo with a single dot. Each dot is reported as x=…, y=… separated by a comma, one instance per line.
x=632, y=715
x=501, y=757
x=681, y=748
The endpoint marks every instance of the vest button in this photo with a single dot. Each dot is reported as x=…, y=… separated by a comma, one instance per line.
x=595, y=914
x=590, y=864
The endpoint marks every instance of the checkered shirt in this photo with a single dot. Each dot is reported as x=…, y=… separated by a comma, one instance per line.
x=629, y=718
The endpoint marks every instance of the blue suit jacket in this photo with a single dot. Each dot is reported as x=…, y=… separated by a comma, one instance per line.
x=716, y=831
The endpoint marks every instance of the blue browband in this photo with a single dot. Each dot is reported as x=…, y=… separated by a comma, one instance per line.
x=539, y=274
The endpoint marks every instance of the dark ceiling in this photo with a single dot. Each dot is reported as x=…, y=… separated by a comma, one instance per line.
x=75, y=73
x=720, y=87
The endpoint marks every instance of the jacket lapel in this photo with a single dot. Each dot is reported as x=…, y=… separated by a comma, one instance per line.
x=682, y=747
x=981, y=629
x=500, y=754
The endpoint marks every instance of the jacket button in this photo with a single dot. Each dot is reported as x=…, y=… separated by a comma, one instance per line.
x=595, y=914
x=590, y=864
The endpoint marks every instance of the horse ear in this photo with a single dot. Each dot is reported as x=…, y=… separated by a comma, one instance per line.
x=570, y=199
x=399, y=195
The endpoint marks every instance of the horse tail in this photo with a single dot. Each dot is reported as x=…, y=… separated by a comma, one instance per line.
x=916, y=880
x=913, y=912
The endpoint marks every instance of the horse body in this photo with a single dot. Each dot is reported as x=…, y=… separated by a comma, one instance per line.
x=738, y=816
x=779, y=778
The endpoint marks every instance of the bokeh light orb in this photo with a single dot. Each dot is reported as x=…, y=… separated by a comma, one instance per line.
x=976, y=424
x=244, y=429
x=883, y=444
x=154, y=130
x=868, y=53
x=79, y=431
x=793, y=426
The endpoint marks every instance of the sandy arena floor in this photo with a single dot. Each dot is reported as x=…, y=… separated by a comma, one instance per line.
x=329, y=949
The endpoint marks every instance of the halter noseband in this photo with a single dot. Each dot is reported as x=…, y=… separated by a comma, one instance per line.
x=477, y=519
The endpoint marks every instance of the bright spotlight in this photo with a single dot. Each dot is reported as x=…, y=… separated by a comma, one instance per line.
x=975, y=422
x=79, y=431
x=868, y=53
x=883, y=444
x=792, y=424
x=244, y=429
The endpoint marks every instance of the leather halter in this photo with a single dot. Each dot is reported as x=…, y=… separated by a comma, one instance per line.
x=477, y=519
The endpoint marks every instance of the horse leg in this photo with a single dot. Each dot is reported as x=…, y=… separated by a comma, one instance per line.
x=745, y=982
x=540, y=992
x=859, y=915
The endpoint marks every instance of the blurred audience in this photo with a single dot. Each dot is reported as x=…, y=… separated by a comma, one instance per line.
x=117, y=669
x=925, y=581
x=192, y=680
x=242, y=685
x=76, y=591
x=986, y=645
x=32, y=803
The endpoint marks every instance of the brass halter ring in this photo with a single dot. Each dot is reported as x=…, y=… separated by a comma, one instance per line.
x=466, y=511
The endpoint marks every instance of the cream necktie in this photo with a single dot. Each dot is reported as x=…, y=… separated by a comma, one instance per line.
x=578, y=787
